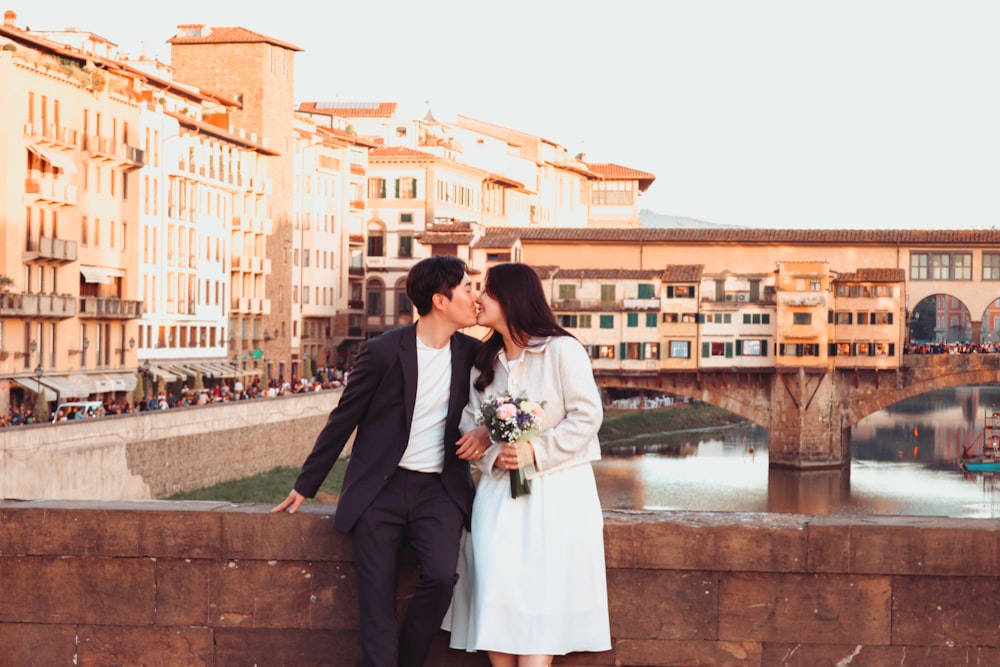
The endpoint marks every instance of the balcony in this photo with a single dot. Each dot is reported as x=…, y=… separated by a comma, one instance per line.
x=356, y=304
x=49, y=250
x=104, y=148
x=356, y=271
x=45, y=189
x=60, y=306
x=109, y=308
x=389, y=263
x=51, y=134
x=641, y=304
x=607, y=305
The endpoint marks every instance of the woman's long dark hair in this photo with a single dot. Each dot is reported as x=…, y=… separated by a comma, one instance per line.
x=518, y=290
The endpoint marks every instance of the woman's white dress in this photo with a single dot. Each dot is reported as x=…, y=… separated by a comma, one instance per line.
x=540, y=586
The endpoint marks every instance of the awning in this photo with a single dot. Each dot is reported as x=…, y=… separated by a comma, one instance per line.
x=55, y=158
x=65, y=387
x=27, y=383
x=162, y=373
x=103, y=383
x=93, y=274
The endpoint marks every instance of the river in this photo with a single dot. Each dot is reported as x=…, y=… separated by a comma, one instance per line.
x=904, y=462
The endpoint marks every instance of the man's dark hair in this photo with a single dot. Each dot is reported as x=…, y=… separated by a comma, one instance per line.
x=439, y=274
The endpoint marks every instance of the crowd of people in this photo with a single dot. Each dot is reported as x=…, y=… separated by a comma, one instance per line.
x=953, y=348
x=223, y=392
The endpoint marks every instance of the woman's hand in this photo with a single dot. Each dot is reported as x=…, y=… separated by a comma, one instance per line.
x=473, y=444
x=513, y=456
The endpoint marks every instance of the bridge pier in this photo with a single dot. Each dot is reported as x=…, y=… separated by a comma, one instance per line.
x=805, y=429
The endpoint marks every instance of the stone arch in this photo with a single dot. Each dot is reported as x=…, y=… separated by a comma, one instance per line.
x=940, y=318
x=989, y=329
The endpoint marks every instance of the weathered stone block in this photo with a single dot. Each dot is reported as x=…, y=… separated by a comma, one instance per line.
x=167, y=647
x=947, y=546
x=665, y=653
x=68, y=531
x=810, y=655
x=816, y=608
x=676, y=605
x=946, y=611
x=77, y=590
x=31, y=644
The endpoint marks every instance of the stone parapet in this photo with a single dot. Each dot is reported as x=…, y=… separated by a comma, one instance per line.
x=208, y=583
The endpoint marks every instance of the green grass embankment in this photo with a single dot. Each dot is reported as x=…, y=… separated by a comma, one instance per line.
x=619, y=425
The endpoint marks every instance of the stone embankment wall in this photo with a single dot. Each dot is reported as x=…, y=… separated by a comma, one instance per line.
x=164, y=583
x=156, y=454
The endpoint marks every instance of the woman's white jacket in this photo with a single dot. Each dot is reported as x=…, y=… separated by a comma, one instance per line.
x=556, y=370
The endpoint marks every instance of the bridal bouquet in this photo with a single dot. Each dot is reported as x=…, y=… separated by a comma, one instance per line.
x=515, y=420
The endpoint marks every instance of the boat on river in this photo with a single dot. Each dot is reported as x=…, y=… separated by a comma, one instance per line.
x=988, y=458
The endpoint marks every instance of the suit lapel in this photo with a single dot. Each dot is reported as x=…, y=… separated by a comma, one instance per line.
x=408, y=362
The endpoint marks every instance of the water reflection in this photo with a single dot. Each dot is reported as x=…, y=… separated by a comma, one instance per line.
x=904, y=462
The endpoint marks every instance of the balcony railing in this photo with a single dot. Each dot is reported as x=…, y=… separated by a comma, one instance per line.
x=48, y=249
x=37, y=305
x=108, y=149
x=609, y=305
x=52, y=134
x=52, y=190
x=109, y=308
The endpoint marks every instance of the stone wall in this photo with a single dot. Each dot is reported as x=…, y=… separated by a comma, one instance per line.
x=156, y=454
x=163, y=583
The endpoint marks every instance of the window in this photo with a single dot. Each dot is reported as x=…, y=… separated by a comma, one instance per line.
x=991, y=266
x=941, y=266
x=607, y=296
x=680, y=291
x=680, y=349
x=376, y=243
x=646, y=291
x=815, y=286
x=376, y=188
x=632, y=319
x=612, y=193
x=751, y=348
x=405, y=245
x=406, y=218
x=716, y=349
x=607, y=321
x=568, y=321
x=567, y=291
x=798, y=350
x=584, y=322
x=607, y=352
x=651, y=320
x=406, y=188
x=841, y=317
x=756, y=318
x=801, y=318
x=882, y=318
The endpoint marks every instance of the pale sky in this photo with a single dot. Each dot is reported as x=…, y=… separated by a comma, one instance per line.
x=845, y=114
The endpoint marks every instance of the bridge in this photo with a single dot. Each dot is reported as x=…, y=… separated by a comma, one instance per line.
x=808, y=412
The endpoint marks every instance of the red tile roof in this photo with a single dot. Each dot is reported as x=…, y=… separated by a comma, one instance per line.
x=743, y=236
x=891, y=275
x=608, y=274
x=614, y=172
x=351, y=109
x=498, y=238
x=225, y=36
x=398, y=153
x=674, y=273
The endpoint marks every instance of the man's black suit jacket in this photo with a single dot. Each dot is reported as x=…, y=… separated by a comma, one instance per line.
x=378, y=400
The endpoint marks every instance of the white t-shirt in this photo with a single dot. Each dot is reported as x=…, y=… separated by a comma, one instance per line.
x=425, y=451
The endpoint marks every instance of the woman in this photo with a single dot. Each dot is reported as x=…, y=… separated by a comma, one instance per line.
x=536, y=586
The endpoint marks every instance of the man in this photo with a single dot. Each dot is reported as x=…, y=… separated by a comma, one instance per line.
x=406, y=478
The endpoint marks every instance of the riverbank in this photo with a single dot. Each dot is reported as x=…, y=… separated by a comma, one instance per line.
x=620, y=426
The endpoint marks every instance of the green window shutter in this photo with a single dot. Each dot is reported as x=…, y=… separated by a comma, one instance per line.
x=765, y=318
x=633, y=319
x=706, y=350
x=621, y=350
x=829, y=317
x=645, y=291
x=700, y=318
x=670, y=291
x=381, y=187
x=892, y=349
x=650, y=319
x=746, y=318
x=607, y=321
x=397, y=188
x=739, y=348
x=413, y=189
x=729, y=350
x=890, y=318
x=832, y=349
x=763, y=348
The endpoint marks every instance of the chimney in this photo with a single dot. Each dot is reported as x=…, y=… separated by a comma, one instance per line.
x=9, y=17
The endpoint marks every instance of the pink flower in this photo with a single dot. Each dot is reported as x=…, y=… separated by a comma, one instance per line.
x=506, y=411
